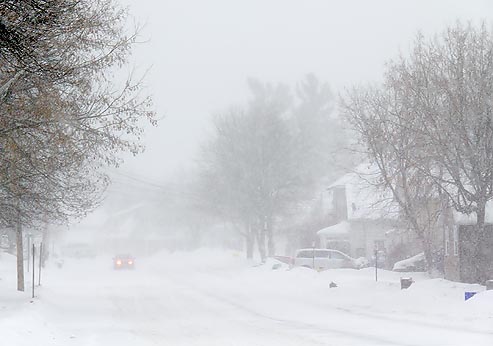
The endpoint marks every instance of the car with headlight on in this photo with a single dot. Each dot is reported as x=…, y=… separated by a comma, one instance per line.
x=123, y=262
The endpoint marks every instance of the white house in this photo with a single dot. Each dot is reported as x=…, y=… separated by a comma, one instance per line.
x=367, y=218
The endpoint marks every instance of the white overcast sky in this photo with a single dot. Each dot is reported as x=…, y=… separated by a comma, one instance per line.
x=202, y=52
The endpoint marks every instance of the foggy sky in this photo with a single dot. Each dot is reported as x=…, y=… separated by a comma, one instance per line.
x=202, y=52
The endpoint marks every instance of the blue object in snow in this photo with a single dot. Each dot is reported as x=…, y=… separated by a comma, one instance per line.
x=468, y=295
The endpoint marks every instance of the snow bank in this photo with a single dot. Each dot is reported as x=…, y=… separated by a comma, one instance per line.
x=409, y=262
x=211, y=297
x=482, y=300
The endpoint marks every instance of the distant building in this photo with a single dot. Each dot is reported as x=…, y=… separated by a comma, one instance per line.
x=366, y=218
x=139, y=230
x=460, y=237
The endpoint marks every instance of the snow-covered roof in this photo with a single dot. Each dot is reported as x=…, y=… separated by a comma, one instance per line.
x=365, y=200
x=342, y=181
x=470, y=219
x=340, y=230
x=395, y=231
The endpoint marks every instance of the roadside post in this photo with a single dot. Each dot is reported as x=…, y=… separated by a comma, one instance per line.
x=40, y=262
x=376, y=263
x=28, y=251
x=313, y=255
x=406, y=283
x=34, y=253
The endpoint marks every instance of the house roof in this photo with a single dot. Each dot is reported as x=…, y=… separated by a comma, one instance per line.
x=365, y=199
x=340, y=230
x=362, y=171
x=470, y=219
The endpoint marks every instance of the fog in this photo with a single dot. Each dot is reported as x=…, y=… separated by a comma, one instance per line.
x=197, y=57
x=201, y=53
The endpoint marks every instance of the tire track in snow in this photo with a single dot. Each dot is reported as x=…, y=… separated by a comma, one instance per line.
x=360, y=336
x=320, y=331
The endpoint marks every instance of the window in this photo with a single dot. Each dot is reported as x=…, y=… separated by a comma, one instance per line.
x=312, y=253
x=321, y=254
x=336, y=255
x=305, y=254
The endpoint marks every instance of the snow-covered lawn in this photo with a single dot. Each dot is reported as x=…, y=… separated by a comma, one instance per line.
x=217, y=298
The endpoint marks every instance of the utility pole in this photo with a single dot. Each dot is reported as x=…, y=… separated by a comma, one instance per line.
x=376, y=264
x=28, y=252
x=40, y=262
x=313, y=255
x=34, y=254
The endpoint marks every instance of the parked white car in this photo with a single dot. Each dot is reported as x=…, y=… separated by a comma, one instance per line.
x=321, y=259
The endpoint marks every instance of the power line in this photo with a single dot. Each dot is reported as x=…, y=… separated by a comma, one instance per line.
x=140, y=180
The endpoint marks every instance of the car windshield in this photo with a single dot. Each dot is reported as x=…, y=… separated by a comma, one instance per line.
x=337, y=255
x=313, y=253
x=246, y=173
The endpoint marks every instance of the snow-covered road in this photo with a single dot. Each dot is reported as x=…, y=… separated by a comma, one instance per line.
x=211, y=298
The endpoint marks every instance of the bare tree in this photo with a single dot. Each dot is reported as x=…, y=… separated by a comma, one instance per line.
x=63, y=118
x=267, y=157
x=440, y=99
x=58, y=42
x=399, y=153
x=251, y=162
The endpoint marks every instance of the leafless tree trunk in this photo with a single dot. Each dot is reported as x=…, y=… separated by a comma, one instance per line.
x=249, y=241
x=260, y=238
x=271, y=245
x=249, y=246
x=20, y=256
x=63, y=117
